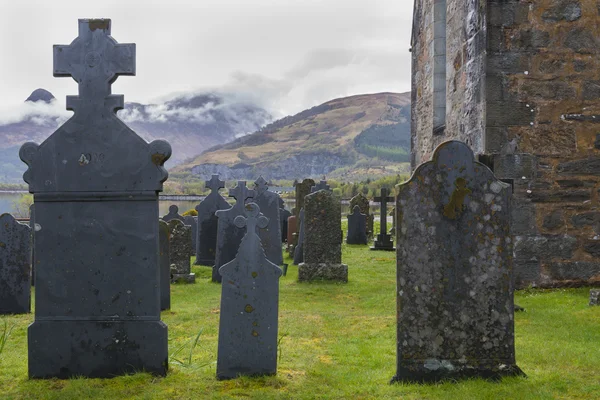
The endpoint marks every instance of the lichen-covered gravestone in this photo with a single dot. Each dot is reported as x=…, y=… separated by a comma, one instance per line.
x=357, y=227
x=192, y=221
x=206, y=239
x=595, y=297
x=180, y=246
x=299, y=248
x=15, y=262
x=165, y=265
x=173, y=214
x=361, y=201
x=384, y=240
x=270, y=237
x=455, y=271
x=229, y=236
x=322, y=237
x=249, y=306
x=95, y=184
x=283, y=219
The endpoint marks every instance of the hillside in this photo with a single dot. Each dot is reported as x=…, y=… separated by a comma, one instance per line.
x=349, y=138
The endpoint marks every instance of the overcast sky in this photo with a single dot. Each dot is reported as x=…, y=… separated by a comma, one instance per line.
x=287, y=55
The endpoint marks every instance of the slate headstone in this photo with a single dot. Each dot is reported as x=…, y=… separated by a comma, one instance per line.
x=15, y=263
x=32, y=228
x=292, y=228
x=180, y=245
x=206, y=237
x=357, y=227
x=165, y=265
x=283, y=218
x=192, y=221
x=95, y=184
x=270, y=237
x=229, y=236
x=249, y=306
x=173, y=214
x=299, y=248
x=361, y=201
x=384, y=240
x=455, y=271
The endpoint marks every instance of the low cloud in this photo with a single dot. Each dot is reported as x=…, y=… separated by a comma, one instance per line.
x=50, y=114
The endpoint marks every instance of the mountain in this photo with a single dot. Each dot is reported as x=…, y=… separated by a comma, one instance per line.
x=190, y=123
x=348, y=138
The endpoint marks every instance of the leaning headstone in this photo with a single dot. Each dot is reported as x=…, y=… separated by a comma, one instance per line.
x=384, y=240
x=283, y=218
x=180, y=245
x=173, y=214
x=15, y=262
x=249, y=306
x=357, y=227
x=165, y=265
x=270, y=237
x=455, y=271
x=361, y=201
x=595, y=297
x=229, y=236
x=192, y=221
x=299, y=248
x=206, y=237
x=95, y=185
x=322, y=238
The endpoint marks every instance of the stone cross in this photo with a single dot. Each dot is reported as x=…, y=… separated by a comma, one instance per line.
x=248, y=318
x=214, y=184
x=320, y=186
x=15, y=262
x=268, y=202
x=207, y=224
x=384, y=240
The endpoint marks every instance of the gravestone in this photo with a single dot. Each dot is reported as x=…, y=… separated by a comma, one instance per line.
x=392, y=214
x=357, y=227
x=595, y=297
x=165, y=265
x=249, y=306
x=173, y=214
x=455, y=271
x=283, y=218
x=206, y=236
x=361, y=201
x=95, y=184
x=229, y=236
x=292, y=229
x=192, y=221
x=270, y=237
x=299, y=248
x=302, y=190
x=15, y=263
x=322, y=237
x=180, y=249
x=384, y=240
x=32, y=228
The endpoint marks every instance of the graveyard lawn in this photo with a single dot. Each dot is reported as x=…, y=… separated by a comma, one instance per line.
x=336, y=341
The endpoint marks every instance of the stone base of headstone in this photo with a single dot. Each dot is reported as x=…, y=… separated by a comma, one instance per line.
x=330, y=272
x=104, y=349
x=595, y=297
x=433, y=370
x=184, y=278
x=383, y=243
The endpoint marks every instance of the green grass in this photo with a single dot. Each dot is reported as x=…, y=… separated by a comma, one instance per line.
x=336, y=342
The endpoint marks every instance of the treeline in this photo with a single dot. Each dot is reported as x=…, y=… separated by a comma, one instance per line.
x=387, y=142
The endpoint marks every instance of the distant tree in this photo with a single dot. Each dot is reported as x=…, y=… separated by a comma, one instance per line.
x=21, y=205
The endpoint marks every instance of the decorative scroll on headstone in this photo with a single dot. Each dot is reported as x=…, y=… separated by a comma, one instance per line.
x=15, y=262
x=173, y=214
x=206, y=239
x=95, y=185
x=270, y=237
x=165, y=265
x=249, y=305
x=384, y=240
x=361, y=201
x=357, y=227
x=455, y=271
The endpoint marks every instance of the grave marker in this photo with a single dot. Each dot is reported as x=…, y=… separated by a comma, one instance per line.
x=206, y=236
x=270, y=237
x=15, y=264
x=384, y=240
x=180, y=249
x=283, y=218
x=357, y=227
x=173, y=214
x=165, y=265
x=192, y=221
x=365, y=208
x=299, y=248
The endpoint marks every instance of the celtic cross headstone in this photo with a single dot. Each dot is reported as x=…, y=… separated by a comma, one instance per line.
x=384, y=240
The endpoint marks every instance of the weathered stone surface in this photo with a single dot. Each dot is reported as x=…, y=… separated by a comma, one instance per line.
x=357, y=227
x=363, y=203
x=592, y=247
x=575, y=272
x=595, y=297
x=206, y=235
x=15, y=263
x=455, y=271
x=302, y=190
x=180, y=248
x=591, y=218
x=95, y=185
x=384, y=241
x=554, y=220
x=292, y=228
x=563, y=10
x=586, y=166
x=192, y=221
x=299, y=248
x=270, y=237
x=283, y=218
x=249, y=306
x=165, y=265
x=173, y=214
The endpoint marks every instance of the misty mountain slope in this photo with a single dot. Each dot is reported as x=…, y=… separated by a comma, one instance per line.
x=348, y=137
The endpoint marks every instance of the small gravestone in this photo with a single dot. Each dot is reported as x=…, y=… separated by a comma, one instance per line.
x=229, y=236
x=173, y=214
x=95, y=184
x=179, y=251
x=165, y=265
x=192, y=221
x=299, y=248
x=15, y=263
x=322, y=237
x=361, y=201
x=455, y=277
x=384, y=240
x=357, y=227
x=206, y=236
x=283, y=218
x=270, y=237
x=249, y=306
x=595, y=297
x=291, y=229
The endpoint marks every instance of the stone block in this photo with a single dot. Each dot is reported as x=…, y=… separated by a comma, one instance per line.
x=595, y=297
x=308, y=272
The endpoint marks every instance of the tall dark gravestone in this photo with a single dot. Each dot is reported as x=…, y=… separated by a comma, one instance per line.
x=363, y=203
x=299, y=248
x=95, y=184
x=283, y=219
x=165, y=265
x=15, y=263
x=173, y=214
x=249, y=306
x=270, y=237
x=229, y=236
x=206, y=236
x=180, y=249
x=455, y=271
x=384, y=240
x=357, y=227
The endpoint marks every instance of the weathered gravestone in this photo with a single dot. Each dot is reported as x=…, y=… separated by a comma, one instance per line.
x=165, y=265
x=229, y=236
x=180, y=248
x=192, y=221
x=384, y=240
x=206, y=239
x=357, y=227
x=361, y=201
x=270, y=237
x=15, y=263
x=302, y=190
x=595, y=297
x=299, y=248
x=455, y=271
x=283, y=218
x=95, y=184
x=249, y=306
x=291, y=229
x=322, y=237
x=173, y=214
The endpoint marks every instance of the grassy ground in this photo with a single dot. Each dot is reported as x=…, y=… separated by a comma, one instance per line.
x=337, y=342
